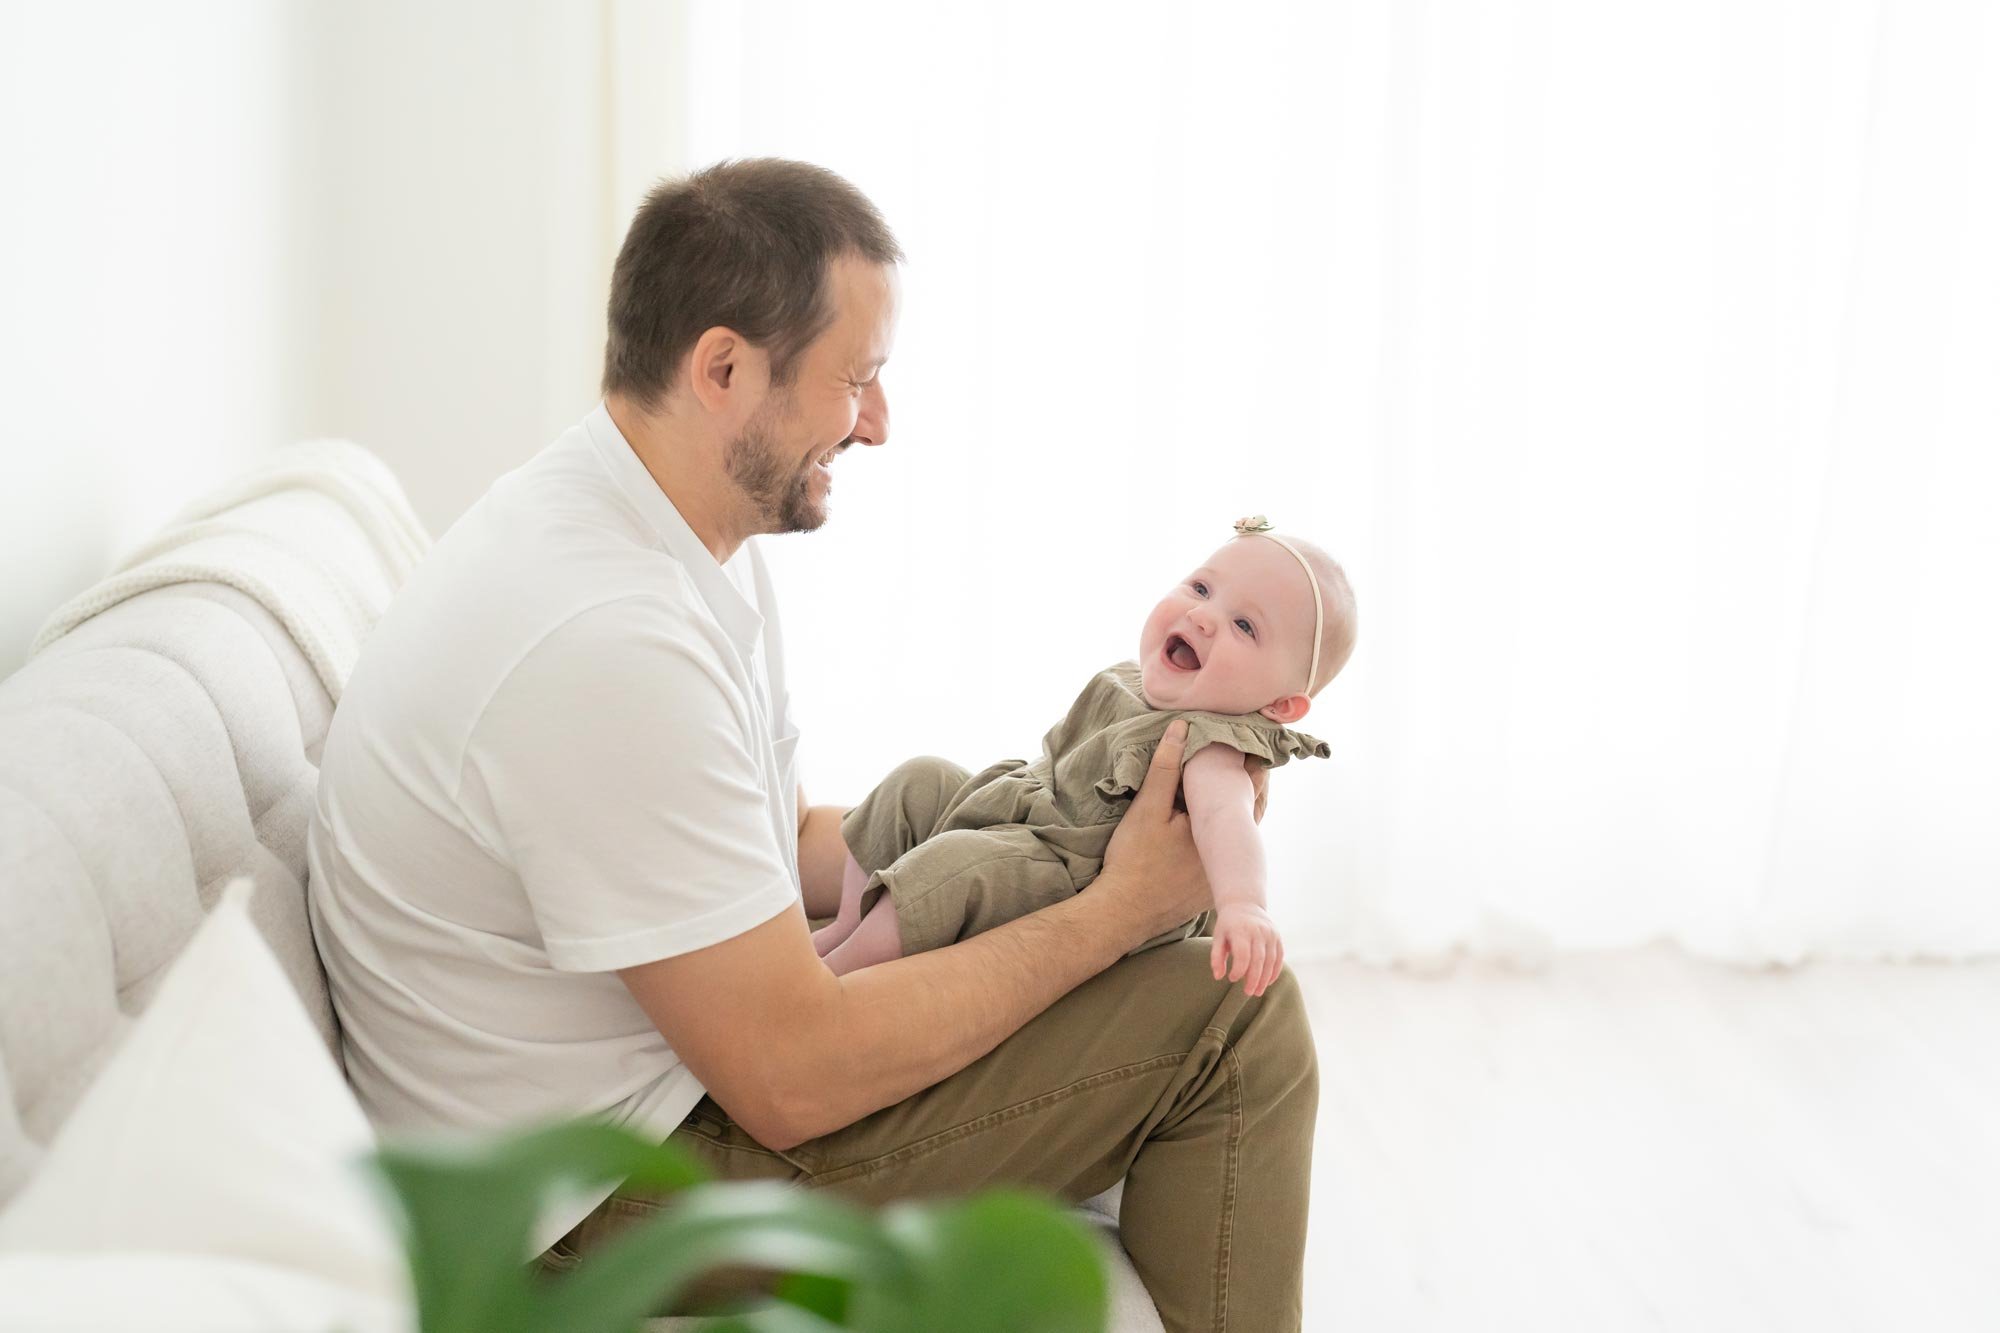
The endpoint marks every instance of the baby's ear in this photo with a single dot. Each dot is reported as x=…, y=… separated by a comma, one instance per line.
x=1288, y=710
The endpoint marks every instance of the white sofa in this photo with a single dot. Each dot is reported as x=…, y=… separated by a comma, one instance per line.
x=162, y=748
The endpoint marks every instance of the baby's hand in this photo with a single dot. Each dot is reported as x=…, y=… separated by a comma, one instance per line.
x=1247, y=935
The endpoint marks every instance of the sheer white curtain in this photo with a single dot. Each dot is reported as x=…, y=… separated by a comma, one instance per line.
x=1638, y=360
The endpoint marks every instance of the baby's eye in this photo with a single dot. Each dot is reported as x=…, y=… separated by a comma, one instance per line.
x=1246, y=627
x=1199, y=587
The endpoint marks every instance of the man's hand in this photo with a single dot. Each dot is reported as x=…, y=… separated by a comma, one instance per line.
x=1152, y=866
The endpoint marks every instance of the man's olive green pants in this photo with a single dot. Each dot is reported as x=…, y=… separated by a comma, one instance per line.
x=1201, y=1098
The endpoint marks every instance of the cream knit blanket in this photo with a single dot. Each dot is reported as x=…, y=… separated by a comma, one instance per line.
x=319, y=533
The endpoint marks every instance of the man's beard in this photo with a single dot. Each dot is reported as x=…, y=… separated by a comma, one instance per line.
x=779, y=492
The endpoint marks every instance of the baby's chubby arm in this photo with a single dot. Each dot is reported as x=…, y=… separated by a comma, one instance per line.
x=1220, y=799
x=1221, y=802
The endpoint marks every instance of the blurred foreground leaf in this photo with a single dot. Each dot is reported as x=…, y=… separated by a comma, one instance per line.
x=1002, y=1262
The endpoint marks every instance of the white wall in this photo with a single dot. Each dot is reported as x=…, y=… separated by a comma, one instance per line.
x=148, y=283
x=232, y=225
x=461, y=254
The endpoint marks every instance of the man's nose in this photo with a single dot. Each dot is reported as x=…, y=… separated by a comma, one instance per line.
x=871, y=424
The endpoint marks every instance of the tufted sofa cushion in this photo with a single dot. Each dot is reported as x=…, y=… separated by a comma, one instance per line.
x=147, y=757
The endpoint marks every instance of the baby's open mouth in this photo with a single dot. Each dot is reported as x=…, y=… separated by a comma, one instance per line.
x=1180, y=653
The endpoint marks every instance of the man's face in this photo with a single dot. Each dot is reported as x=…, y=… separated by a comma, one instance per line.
x=781, y=460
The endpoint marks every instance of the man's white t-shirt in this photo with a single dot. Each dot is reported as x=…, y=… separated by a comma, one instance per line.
x=566, y=749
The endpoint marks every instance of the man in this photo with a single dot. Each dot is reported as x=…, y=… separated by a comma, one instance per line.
x=561, y=863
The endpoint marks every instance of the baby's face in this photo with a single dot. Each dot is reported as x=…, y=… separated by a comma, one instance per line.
x=1234, y=637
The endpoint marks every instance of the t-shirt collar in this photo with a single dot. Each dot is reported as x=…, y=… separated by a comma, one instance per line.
x=726, y=602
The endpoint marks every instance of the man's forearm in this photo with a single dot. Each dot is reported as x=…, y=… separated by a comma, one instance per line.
x=897, y=1028
x=822, y=859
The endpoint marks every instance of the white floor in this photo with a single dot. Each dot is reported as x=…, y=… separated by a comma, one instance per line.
x=1639, y=1141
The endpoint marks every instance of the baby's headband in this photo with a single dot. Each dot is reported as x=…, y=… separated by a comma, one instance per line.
x=1258, y=526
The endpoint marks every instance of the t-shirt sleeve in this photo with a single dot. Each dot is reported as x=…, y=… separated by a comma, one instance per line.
x=617, y=762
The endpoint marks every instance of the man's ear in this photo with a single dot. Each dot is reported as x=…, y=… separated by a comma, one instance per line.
x=1289, y=709
x=715, y=367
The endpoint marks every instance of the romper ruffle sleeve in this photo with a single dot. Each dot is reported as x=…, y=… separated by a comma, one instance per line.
x=1269, y=743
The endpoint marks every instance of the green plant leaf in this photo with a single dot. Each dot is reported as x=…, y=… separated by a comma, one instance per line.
x=1002, y=1262
x=763, y=1225
x=463, y=1234
x=827, y=1297
x=774, y=1319
x=468, y=1208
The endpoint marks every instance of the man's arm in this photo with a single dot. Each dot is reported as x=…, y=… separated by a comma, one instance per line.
x=793, y=1052
x=822, y=856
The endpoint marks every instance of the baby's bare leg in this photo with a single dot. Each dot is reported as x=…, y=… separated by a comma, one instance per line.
x=876, y=940
x=853, y=880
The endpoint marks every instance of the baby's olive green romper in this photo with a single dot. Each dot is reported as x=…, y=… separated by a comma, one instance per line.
x=960, y=854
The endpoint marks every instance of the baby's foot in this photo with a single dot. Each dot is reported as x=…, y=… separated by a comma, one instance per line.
x=853, y=879
x=878, y=939
x=830, y=936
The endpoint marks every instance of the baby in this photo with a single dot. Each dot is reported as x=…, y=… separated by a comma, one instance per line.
x=1239, y=649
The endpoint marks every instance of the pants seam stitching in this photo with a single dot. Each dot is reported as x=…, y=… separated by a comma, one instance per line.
x=1227, y=1227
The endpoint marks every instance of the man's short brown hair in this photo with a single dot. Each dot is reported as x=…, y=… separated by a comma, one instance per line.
x=743, y=244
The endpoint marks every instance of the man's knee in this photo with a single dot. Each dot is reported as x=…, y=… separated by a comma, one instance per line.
x=1288, y=1039
x=1278, y=1015
x=1270, y=1033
